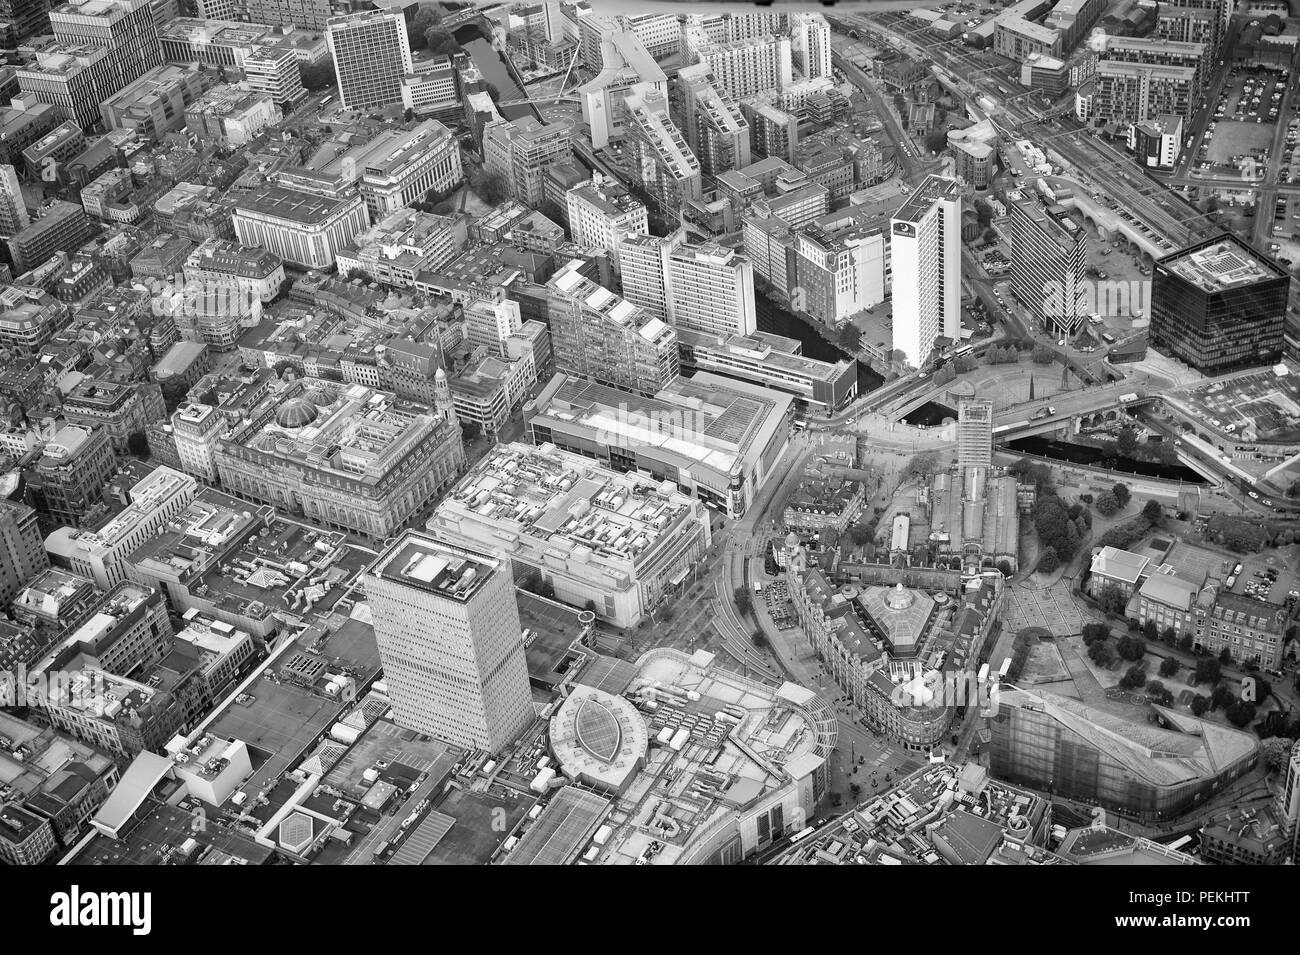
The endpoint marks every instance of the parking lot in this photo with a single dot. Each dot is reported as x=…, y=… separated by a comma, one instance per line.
x=1256, y=407
x=1239, y=137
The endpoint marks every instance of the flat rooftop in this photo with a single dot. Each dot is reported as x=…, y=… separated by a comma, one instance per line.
x=422, y=561
x=1223, y=264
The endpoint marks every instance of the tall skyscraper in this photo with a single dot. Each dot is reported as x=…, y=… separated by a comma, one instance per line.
x=127, y=28
x=13, y=210
x=925, y=247
x=22, y=549
x=1288, y=802
x=974, y=433
x=660, y=155
x=1049, y=263
x=449, y=635
x=706, y=287
x=1218, y=305
x=371, y=55
x=810, y=44
x=715, y=128
x=522, y=150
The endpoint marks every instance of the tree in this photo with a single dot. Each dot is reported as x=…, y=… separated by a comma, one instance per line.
x=490, y=186
x=1240, y=714
x=1185, y=643
x=1154, y=512
x=1276, y=752
x=1048, y=561
x=1200, y=704
x=1222, y=697
x=1042, y=355
x=924, y=464
x=318, y=76
x=1225, y=657
x=1122, y=494
x=138, y=445
x=1111, y=600
x=1107, y=505
x=1133, y=678
x=1102, y=653
x=1127, y=442
x=1150, y=631
x=1004, y=568
x=983, y=212
x=1095, y=631
x=849, y=337
x=936, y=142
x=859, y=534
x=1132, y=648
x=1170, y=667
x=1207, y=671
x=439, y=40
x=1169, y=637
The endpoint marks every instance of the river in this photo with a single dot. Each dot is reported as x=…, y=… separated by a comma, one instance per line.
x=776, y=320
x=1083, y=454
x=495, y=71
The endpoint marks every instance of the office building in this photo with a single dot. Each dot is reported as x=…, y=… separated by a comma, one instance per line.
x=521, y=150
x=1156, y=143
x=275, y=72
x=660, y=155
x=705, y=287
x=120, y=410
x=1150, y=773
x=433, y=90
x=810, y=44
x=1252, y=630
x=1049, y=264
x=400, y=167
x=13, y=208
x=371, y=56
x=1018, y=38
x=399, y=246
x=22, y=549
x=925, y=249
x=974, y=433
x=715, y=128
x=602, y=212
x=299, y=227
x=1218, y=305
x=819, y=387
x=1074, y=18
x=598, y=335
x=230, y=117
x=773, y=132
x=718, y=439
x=840, y=273
x=74, y=79
x=624, y=62
x=651, y=534
x=974, y=151
x=310, y=14
x=68, y=478
x=751, y=65
x=449, y=635
x=346, y=457
x=102, y=555
x=58, y=227
x=128, y=29
x=155, y=104
x=256, y=273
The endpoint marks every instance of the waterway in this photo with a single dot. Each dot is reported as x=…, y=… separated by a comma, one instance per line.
x=1083, y=454
x=494, y=69
x=777, y=321
x=930, y=414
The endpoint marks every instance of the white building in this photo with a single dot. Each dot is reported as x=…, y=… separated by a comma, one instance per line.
x=449, y=636
x=371, y=57
x=708, y=287
x=810, y=43
x=299, y=227
x=925, y=248
x=602, y=212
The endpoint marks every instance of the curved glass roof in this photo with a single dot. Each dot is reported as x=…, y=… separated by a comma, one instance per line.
x=598, y=730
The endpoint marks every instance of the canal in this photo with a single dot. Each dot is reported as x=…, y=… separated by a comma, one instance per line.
x=495, y=70
x=1083, y=454
x=777, y=321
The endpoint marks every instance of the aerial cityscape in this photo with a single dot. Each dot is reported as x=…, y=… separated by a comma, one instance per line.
x=573, y=434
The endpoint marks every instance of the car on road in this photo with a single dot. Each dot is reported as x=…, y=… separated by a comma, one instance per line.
x=1253, y=495
x=1266, y=502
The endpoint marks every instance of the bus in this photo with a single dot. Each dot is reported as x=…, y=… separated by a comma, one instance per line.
x=802, y=834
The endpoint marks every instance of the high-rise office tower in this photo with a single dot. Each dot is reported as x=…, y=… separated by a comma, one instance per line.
x=28, y=17
x=1218, y=305
x=715, y=128
x=660, y=155
x=128, y=28
x=810, y=44
x=371, y=55
x=974, y=433
x=22, y=549
x=925, y=249
x=13, y=210
x=1049, y=263
x=705, y=287
x=522, y=150
x=449, y=635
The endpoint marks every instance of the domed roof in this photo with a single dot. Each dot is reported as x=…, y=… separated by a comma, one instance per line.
x=318, y=396
x=899, y=598
x=296, y=413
